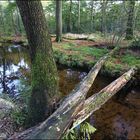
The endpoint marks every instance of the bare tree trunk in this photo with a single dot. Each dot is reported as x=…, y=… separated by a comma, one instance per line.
x=91, y=22
x=79, y=15
x=2, y=18
x=69, y=26
x=43, y=70
x=4, y=76
x=14, y=23
x=18, y=20
x=103, y=18
x=130, y=21
x=58, y=20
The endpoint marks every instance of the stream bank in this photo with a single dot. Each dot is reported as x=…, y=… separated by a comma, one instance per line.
x=83, y=54
x=118, y=118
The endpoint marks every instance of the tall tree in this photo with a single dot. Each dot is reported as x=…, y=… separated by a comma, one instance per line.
x=79, y=19
x=18, y=20
x=58, y=20
x=69, y=26
x=91, y=22
x=2, y=19
x=43, y=69
x=103, y=16
x=130, y=20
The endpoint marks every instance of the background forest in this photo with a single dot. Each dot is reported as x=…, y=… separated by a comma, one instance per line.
x=77, y=17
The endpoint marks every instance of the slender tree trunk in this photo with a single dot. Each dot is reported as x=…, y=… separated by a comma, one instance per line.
x=44, y=72
x=79, y=19
x=130, y=21
x=103, y=18
x=2, y=19
x=58, y=20
x=64, y=115
x=91, y=22
x=69, y=26
x=18, y=20
x=14, y=24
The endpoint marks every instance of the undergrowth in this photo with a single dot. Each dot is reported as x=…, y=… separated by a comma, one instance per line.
x=82, y=132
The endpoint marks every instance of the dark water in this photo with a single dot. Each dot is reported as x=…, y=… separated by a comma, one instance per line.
x=115, y=120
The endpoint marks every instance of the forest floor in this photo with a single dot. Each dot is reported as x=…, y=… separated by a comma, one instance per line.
x=85, y=53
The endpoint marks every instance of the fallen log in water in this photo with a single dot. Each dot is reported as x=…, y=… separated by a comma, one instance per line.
x=68, y=113
x=55, y=126
x=94, y=102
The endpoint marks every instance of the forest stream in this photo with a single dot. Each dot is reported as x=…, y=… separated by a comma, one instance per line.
x=117, y=119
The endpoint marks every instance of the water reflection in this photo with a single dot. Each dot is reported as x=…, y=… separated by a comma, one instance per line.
x=12, y=60
x=114, y=121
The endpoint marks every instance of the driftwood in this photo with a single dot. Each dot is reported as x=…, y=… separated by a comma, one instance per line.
x=61, y=119
x=94, y=102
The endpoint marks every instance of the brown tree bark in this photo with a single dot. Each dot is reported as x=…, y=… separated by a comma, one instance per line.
x=103, y=18
x=58, y=20
x=130, y=20
x=43, y=70
x=91, y=21
x=79, y=15
x=69, y=25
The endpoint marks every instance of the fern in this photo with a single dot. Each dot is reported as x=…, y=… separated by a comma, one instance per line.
x=83, y=132
x=86, y=130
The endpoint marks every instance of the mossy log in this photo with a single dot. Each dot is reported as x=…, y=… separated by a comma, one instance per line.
x=75, y=109
x=95, y=102
x=56, y=125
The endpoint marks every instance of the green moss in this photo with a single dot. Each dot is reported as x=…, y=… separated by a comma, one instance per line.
x=44, y=87
x=84, y=56
x=131, y=60
x=84, y=50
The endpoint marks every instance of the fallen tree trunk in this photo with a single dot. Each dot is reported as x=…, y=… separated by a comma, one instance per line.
x=55, y=126
x=94, y=102
x=70, y=36
x=59, y=121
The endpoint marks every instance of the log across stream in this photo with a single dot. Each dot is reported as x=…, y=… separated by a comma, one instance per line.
x=118, y=118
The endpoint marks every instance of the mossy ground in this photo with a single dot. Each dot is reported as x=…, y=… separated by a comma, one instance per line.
x=84, y=54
